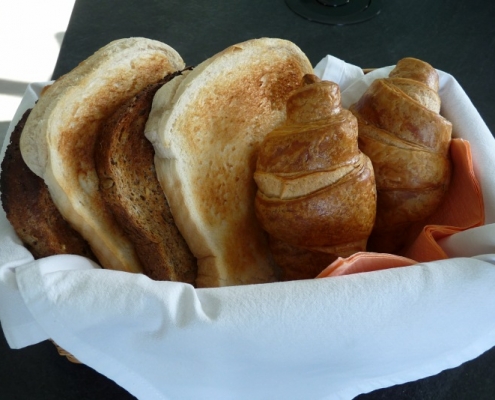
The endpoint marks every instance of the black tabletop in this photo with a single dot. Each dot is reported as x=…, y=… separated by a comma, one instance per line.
x=455, y=36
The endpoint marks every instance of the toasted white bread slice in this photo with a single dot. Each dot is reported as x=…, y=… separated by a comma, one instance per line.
x=206, y=136
x=58, y=139
x=130, y=188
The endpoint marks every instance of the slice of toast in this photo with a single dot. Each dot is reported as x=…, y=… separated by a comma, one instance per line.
x=30, y=209
x=128, y=183
x=206, y=140
x=59, y=136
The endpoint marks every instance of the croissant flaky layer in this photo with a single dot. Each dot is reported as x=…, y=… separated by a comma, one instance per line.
x=386, y=107
x=407, y=140
x=326, y=218
x=316, y=190
x=298, y=159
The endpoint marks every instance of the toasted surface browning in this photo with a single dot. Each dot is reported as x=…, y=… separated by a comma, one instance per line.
x=408, y=142
x=58, y=141
x=30, y=209
x=207, y=143
x=125, y=165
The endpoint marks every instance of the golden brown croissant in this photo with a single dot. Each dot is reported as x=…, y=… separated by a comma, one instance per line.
x=316, y=191
x=407, y=140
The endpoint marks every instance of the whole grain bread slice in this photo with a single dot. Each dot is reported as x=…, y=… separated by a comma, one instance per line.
x=128, y=183
x=58, y=140
x=30, y=208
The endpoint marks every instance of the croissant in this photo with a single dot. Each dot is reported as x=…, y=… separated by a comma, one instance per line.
x=407, y=140
x=316, y=194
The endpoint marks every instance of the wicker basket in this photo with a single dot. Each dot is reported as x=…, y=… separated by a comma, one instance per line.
x=66, y=354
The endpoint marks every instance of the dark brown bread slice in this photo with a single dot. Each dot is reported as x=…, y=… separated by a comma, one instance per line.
x=125, y=165
x=30, y=208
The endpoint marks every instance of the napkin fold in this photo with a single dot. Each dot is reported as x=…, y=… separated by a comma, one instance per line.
x=330, y=338
x=462, y=209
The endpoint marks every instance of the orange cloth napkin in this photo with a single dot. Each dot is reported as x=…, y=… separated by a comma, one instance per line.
x=462, y=209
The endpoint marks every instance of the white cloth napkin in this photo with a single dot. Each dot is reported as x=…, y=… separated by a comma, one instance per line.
x=330, y=338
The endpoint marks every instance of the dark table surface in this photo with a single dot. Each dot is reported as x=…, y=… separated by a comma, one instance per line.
x=455, y=36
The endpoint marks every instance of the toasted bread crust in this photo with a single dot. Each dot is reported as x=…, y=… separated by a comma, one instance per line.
x=30, y=209
x=124, y=160
x=207, y=142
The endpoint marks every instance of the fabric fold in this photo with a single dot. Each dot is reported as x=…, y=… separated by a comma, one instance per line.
x=339, y=336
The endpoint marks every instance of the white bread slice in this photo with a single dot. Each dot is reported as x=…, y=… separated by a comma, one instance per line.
x=58, y=139
x=206, y=140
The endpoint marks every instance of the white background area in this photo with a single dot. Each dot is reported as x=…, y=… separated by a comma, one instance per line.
x=31, y=32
